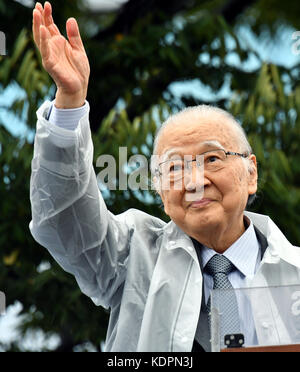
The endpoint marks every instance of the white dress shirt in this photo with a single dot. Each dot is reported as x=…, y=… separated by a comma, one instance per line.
x=67, y=118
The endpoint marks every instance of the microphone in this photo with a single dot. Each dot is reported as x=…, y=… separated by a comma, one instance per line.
x=234, y=340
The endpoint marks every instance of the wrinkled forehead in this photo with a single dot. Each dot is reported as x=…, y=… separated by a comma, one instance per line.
x=172, y=152
x=188, y=133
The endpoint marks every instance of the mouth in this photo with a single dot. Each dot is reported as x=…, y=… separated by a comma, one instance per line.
x=200, y=203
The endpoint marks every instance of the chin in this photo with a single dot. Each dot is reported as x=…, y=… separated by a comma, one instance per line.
x=203, y=220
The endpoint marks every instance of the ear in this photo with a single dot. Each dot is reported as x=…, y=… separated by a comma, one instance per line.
x=252, y=175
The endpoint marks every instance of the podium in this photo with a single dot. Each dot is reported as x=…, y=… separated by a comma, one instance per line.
x=294, y=348
x=268, y=319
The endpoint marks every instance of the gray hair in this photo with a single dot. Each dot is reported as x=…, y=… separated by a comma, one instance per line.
x=203, y=112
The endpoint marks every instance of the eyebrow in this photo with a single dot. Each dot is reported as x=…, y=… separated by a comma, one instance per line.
x=177, y=150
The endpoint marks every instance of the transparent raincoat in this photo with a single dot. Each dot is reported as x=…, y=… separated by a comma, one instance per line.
x=144, y=270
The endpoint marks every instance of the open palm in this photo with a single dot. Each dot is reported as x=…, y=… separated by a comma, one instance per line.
x=65, y=60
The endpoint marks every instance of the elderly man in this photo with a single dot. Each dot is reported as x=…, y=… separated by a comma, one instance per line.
x=155, y=277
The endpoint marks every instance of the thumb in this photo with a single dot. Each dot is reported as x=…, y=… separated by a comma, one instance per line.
x=73, y=34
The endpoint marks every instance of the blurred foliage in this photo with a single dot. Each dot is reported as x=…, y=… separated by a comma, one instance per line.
x=136, y=55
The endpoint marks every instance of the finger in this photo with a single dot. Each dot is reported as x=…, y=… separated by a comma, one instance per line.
x=37, y=21
x=39, y=7
x=48, y=14
x=74, y=34
x=53, y=29
x=44, y=42
x=48, y=20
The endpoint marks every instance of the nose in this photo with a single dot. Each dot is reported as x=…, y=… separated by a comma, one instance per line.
x=195, y=185
x=196, y=179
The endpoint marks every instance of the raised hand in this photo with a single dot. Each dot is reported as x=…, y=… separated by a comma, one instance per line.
x=65, y=60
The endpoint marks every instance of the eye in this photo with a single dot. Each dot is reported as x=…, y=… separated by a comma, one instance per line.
x=175, y=167
x=212, y=158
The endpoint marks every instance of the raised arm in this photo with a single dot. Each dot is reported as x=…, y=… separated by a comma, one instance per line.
x=69, y=216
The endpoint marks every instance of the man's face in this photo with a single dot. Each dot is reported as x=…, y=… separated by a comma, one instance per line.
x=225, y=192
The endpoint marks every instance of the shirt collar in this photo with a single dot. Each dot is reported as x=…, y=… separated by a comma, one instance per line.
x=243, y=253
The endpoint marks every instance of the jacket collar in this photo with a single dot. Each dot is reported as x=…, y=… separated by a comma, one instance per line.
x=278, y=245
x=263, y=242
x=174, y=237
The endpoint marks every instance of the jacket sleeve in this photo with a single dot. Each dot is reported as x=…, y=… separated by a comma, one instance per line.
x=69, y=216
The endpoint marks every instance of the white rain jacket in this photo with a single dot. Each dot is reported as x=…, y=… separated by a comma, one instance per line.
x=145, y=270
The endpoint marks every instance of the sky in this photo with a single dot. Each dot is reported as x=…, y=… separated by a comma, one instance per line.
x=94, y=4
x=279, y=52
x=105, y=4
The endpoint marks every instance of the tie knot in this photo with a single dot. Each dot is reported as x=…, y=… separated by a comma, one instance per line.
x=219, y=264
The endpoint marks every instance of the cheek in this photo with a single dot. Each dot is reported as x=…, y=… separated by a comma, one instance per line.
x=172, y=201
x=234, y=186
